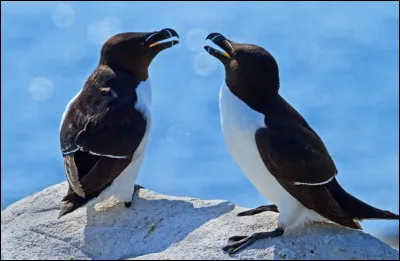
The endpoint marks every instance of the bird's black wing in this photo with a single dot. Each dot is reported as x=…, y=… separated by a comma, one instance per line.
x=100, y=133
x=298, y=159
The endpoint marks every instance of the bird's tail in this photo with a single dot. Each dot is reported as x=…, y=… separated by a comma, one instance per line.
x=355, y=207
x=71, y=202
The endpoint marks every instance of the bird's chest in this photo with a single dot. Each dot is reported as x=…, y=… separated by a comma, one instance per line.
x=239, y=124
x=143, y=102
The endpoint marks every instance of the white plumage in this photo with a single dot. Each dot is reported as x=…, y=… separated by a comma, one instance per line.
x=67, y=108
x=239, y=124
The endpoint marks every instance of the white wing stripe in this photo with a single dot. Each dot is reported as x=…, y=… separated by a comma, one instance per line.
x=69, y=152
x=94, y=153
x=108, y=156
x=314, y=184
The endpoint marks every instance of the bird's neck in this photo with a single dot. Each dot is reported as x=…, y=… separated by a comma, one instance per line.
x=141, y=73
x=278, y=110
x=259, y=98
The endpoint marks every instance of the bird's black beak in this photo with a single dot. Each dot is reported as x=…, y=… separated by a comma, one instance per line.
x=155, y=41
x=225, y=45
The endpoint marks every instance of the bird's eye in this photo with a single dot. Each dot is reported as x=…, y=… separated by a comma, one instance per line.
x=233, y=64
x=105, y=91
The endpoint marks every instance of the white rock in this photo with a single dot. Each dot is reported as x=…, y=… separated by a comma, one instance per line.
x=165, y=227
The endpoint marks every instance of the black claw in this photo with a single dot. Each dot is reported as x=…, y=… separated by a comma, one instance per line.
x=258, y=210
x=128, y=204
x=226, y=248
x=246, y=213
x=239, y=245
x=241, y=242
x=236, y=238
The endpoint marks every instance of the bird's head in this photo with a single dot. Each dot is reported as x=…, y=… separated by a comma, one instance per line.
x=133, y=52
x=250, y=69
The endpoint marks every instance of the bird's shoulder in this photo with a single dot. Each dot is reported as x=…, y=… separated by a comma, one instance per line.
x=105, y=103
x=291, y=148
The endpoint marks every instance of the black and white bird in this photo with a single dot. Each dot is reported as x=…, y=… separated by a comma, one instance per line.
x=105, y=128
x=283, y=157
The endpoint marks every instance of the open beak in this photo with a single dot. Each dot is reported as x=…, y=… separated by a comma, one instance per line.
x=224, y=44
x=156, y=40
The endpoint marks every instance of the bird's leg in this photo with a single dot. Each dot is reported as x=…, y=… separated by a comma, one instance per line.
x=259, y=210
x=238, y=243
x=135, y=191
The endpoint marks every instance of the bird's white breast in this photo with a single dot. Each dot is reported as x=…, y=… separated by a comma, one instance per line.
x=143, y=103
x=239, y=124
x=67, y=108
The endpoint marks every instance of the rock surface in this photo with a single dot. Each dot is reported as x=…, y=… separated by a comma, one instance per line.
x=165, y=227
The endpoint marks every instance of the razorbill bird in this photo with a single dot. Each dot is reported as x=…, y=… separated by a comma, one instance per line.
x=105, y=128
x=280, y=153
